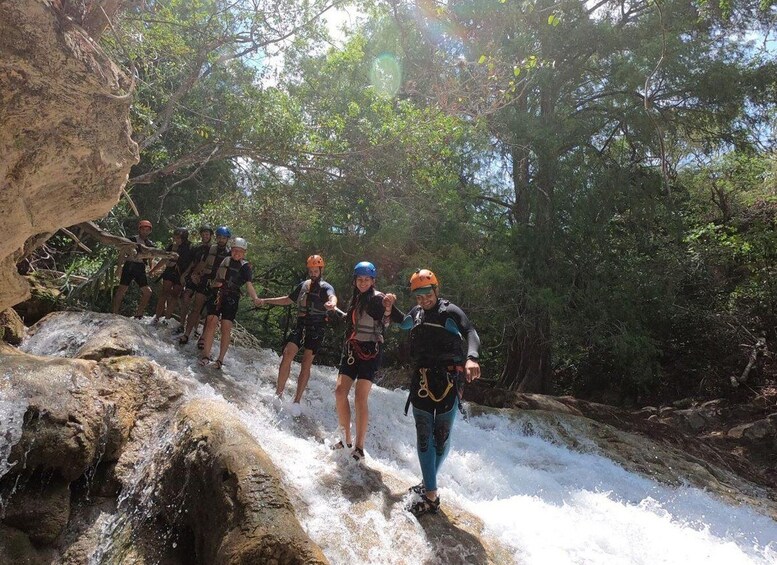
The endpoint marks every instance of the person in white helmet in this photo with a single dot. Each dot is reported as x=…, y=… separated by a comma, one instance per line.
x=233, y=272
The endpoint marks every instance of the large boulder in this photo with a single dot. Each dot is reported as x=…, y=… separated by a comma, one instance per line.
x=65, y=145
x=235, y=509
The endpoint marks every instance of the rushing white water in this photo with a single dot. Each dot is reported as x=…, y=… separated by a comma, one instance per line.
x=542, y=501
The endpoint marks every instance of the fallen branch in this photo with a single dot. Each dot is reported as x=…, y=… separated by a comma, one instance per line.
x=128, y=248
x=757, y=349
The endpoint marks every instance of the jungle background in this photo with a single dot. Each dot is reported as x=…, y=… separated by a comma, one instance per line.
x=594, y=183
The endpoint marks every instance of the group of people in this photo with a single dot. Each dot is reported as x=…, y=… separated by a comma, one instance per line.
x=444, y=346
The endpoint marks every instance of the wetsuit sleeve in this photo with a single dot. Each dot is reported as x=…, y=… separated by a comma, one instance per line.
x=330, y=290
x=247, y=274
x=468, y=332
x=295, y=293
x=397, y=315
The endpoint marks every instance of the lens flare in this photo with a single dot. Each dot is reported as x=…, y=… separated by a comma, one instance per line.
x=386, y=74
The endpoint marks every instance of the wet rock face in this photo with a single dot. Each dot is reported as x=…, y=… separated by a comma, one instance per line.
x=65, y=146
x=85, y=431
x=234, y=509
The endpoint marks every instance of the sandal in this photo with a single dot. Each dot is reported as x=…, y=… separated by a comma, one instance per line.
x=418, y=489
x=358, y=453
x=183, y=340
x=425, y=506
x=204, y=361
x=340, y=445
x=201, y=344
x=218, y=364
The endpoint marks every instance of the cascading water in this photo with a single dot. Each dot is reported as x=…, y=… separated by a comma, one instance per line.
x=538, y=501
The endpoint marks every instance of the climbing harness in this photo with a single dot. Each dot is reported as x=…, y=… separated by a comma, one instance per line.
x=423, y=390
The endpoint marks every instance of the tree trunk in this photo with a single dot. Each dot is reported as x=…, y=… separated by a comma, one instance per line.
x=528, y=360
x=528, y=365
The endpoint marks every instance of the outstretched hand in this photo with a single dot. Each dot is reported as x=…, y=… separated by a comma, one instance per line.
x=473, y=370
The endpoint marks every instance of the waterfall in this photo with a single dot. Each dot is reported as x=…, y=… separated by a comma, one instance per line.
x=511, y=477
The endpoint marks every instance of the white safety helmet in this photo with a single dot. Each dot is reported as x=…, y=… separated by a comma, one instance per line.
x=239, y=243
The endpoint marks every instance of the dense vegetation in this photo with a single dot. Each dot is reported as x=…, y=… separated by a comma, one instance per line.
x=594, y=182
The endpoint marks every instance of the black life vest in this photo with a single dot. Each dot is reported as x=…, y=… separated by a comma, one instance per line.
x=229, y=275
x=431, y=344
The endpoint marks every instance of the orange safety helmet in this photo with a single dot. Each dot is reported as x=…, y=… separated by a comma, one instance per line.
x=144, y=224
x=423, y=281
x=315, y=261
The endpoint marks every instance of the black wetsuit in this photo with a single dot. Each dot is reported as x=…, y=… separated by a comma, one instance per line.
x=441, y=341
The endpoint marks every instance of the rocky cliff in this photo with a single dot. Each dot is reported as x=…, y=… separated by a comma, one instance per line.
x=65, y=145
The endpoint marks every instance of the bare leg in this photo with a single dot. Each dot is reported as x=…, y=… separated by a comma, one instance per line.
x=186, y=300
x=363, y=387
x=172, y=300
x=210, y=331
x=118, y=297
x=163, y=298
x=145, y=296
x=194, y=315
x=344, y=383
x=304, y=374
x=285, y=367
x=226, y=331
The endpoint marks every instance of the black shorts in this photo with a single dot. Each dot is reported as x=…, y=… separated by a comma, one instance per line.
x=351, y=365
x=172, y=276
x=133, y=271
x=224, y=306
x=196, y=287
x=308, y=337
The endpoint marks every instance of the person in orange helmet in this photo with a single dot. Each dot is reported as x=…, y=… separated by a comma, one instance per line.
x=444, y=350
x=314, y=297
x=135, y=270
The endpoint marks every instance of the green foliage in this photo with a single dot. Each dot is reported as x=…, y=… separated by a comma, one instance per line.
x=541, y=157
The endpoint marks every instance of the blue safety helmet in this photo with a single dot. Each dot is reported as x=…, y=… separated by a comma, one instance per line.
x=223, y=231
x=365, y=269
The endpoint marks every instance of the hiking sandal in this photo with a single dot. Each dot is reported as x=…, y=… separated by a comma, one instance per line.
x=218, y=364
x=204, y=361
x=340, y=445
x=201, y=343
x=357, y=454
x=183, y=340
x=425, y=506
x=418, y=489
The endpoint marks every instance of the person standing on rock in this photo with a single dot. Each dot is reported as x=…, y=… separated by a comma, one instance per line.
x=135, y=270
x=233, y=272
x=198, y=254
x=366, y=320
x=202, y=274
x=172, y=275
x=314, y=298
x=444, y=349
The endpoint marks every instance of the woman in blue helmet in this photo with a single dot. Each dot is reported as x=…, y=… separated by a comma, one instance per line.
x=369, y=313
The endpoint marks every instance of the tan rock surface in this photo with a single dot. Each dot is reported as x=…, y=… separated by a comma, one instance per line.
x=234, y=505
x=11, y=327
x=65, y=146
